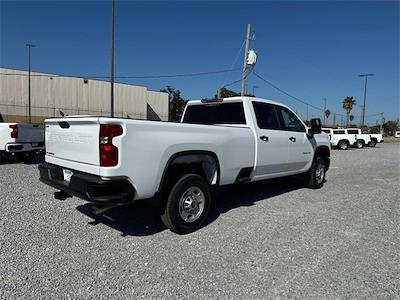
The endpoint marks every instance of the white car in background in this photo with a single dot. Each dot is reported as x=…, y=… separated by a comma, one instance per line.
x=397, y=134
x=340, y=139
x=21, y=140
x=363, y=139
x=377, y=137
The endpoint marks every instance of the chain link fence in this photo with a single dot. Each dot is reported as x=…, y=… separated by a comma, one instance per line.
x=20, y=113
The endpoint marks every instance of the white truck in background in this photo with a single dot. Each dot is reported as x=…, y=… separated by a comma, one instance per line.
x=377, y=138
x=340, y=139
x=21, y=140
x=363, y=139
x=113, y=161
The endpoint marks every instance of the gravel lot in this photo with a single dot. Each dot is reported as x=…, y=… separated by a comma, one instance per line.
x=273, y=239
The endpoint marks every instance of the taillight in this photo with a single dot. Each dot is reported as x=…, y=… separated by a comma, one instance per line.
x=14, y=132
x=108, y=152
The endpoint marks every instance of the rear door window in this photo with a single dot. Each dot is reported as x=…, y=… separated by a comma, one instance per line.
x=352, y=131
x=266, y=115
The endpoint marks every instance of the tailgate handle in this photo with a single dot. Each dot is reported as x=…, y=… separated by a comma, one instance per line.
x=63, y=124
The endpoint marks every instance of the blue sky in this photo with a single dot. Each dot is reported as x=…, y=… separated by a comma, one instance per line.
x=313, y=50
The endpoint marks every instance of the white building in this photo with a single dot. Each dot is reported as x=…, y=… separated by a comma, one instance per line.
x=51, y=93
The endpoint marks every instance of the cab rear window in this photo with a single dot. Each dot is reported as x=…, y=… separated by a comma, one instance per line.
x=215, y=113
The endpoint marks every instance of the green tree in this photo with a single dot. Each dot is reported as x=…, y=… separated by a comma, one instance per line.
x=226, y=93
x=176, y=103
x=327, y=113
x=348, y=104
x=390, y=127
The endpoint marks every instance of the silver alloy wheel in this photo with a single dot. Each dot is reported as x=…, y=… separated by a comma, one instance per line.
x=343, y=145
x=320, y=173
x=359, y=144
x=191, y=204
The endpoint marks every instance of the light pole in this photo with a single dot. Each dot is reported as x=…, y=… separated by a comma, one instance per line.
x=112, y=58
x=29, y=80
x=365, y=95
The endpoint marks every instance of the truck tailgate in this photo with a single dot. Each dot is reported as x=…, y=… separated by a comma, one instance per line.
x=73, y=139
x=31, y=133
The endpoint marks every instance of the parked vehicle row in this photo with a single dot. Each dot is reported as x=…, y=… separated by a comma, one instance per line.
x=344, y=138
x=21, y=140
x=114, y=161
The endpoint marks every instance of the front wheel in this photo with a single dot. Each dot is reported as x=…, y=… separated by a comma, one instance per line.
x=343, y=145
x=187, y=205
x=316, y=175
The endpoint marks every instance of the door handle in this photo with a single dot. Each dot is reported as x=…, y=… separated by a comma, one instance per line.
x=292, y=138
x=264, y=138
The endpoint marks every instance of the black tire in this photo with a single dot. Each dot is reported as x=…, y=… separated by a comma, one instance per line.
x=315, y=181
x=176, y=202
x=25, y=156
x=343, y=145
x=360, y=144
x=373, y=143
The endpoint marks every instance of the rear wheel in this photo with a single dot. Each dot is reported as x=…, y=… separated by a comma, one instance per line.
x=373, y=143
x=187, y=205
x=360, y=144
x=316, y=175
x=343, y=145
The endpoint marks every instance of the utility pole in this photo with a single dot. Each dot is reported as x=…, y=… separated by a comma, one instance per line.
x=112, y=58
x=245, y=60
x=324, y=110
x=334, y=120
x=29, y=81
x=381, y=125
x=307, y=111
x=219, y=93
x=365, y=95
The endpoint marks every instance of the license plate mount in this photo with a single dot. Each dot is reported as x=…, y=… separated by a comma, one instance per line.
x=67, y=175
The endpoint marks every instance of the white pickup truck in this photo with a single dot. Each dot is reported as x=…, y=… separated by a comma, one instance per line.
x=113, y=161
x=376, y=138
x=363, y=139
x=21, y=140
x=340, y=139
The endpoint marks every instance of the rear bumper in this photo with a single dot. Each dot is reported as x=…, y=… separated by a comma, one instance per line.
x=24, y=147
x=87, y=186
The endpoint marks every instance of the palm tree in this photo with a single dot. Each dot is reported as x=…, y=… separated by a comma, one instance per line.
x=327, y=113
x=348, y=104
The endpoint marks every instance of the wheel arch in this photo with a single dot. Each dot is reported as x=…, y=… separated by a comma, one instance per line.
x=201, y=162
x=325, y=153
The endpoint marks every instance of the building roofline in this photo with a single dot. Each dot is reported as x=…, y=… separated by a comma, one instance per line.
x=78, y=77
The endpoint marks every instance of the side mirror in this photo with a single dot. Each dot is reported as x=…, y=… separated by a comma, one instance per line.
x=315, y=126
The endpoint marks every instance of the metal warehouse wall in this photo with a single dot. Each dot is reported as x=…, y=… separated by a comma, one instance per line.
x=51, y=93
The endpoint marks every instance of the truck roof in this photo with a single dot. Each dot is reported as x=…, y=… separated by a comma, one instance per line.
x=235, y=99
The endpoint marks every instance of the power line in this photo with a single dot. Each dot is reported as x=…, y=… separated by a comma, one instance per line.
x=130, y=77
x=236, y=81
x=286, y=93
